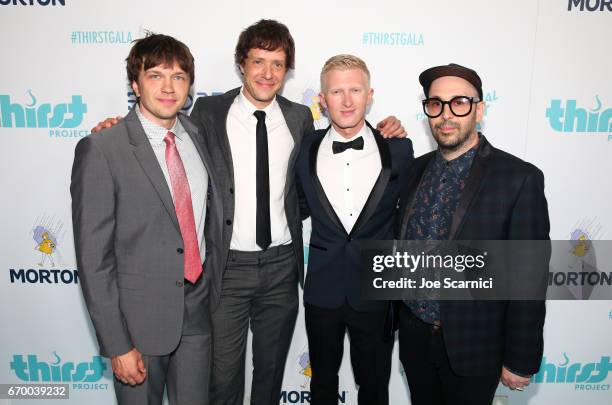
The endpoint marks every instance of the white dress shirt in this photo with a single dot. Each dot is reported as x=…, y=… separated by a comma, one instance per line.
x=348, y=177
x=241, y=131
x=197, y=176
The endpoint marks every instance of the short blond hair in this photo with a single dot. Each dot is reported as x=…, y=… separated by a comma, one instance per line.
x=344, y=62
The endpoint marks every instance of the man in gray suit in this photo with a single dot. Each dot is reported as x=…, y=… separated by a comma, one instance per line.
x=139, y=204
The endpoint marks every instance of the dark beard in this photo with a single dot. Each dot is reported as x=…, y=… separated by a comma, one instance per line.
x=461, y=138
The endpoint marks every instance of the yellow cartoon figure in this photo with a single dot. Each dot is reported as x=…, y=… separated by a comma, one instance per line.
x=311, y=99
x=46, y=247
x=580, y=249
x=304, y=362
x=315, y=108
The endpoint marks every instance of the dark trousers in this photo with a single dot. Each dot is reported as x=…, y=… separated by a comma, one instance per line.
x=370, y=353
x=430, y=377
x=259, y=290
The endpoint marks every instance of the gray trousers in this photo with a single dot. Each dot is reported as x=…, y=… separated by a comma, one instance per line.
x=259, y=289
x=185, y=372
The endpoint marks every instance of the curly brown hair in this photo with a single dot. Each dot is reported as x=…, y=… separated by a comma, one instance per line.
x=269, y=35
x=158, y=49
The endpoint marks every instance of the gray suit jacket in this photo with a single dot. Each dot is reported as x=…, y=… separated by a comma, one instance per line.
x=210, y=114
x=127, y=239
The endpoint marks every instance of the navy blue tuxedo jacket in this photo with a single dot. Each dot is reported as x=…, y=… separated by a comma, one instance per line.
x=333, y=262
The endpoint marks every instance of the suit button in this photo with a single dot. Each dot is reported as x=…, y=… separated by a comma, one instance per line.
x=179, y=284
x=348, y=239
x=229, y=221
x=180, y=251
x=231, y=190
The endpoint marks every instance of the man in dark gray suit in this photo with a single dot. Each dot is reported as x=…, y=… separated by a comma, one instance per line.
x=254, y=135
x=139, y=204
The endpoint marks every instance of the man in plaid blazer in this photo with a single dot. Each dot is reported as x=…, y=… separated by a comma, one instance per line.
x=457, y=351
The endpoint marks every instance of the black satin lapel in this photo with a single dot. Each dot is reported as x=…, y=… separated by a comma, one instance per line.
x=150, y=165
x=379, y=187
x=477, y=172
x=413, y=187
x=327, y=207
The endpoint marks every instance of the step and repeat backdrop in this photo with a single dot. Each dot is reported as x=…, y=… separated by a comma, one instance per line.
x=546, y=68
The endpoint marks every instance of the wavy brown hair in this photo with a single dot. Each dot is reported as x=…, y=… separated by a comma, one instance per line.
x=158, y=49
x=269, y=35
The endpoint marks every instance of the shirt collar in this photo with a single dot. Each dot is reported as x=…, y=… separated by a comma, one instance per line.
x=247, y=108
x=460, y=163
x=156, y=133
x=365, y=132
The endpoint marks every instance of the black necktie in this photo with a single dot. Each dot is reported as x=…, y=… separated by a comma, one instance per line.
x=262, y=225
x=339, y=147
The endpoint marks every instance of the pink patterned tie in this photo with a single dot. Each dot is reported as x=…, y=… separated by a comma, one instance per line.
x=184, y=210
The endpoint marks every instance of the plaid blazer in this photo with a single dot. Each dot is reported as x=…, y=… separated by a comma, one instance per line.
x=503, y=199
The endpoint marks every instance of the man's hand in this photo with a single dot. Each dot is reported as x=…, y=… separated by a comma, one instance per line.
x=391, y=127
x=129, y=368
x=107, y=123
x=513, y=381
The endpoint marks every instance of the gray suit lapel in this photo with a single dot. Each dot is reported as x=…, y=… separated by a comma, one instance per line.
x=292, y=119
x=294, y=122
x=222, y=110
x=147, y=160
x=196, y=138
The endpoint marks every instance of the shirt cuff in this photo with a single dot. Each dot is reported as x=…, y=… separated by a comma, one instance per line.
x=519, y=374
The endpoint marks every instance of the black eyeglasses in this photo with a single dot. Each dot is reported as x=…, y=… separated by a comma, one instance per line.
x=460, y=106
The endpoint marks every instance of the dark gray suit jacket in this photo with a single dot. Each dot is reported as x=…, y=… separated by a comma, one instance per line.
x=127, y=240
x=210, y=114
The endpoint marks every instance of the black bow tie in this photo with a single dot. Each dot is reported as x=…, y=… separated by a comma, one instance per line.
x=339, y=147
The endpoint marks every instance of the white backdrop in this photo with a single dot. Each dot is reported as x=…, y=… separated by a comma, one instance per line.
x=546, y=73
